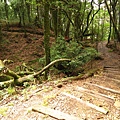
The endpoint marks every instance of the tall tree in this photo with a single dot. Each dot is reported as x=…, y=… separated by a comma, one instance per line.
x=46, y=34
x=113, y=17
x=0, y=32
x=119, y=17
x=54, y=12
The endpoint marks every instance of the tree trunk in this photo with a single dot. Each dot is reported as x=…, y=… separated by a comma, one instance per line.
x=112, y=19
x=66, y=34
x=54, y=12
x=119, y=17
x=0, y=32
x=28, y=10
x=46, y=35
x=6, y=12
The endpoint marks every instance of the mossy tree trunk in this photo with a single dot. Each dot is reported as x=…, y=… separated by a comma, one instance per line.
x=0, y=32
x=119, y=22
x=54, y=12
x=6, y=13
x=46, y=35
x=67, y=30
x=28, y=7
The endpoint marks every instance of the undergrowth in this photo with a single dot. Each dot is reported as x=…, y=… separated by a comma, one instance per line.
x=78, y=54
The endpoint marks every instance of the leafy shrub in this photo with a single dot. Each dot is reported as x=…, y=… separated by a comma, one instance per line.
x=74, y=51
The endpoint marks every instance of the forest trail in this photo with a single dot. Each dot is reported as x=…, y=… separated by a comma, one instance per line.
x=110, y=57
x=94, y=98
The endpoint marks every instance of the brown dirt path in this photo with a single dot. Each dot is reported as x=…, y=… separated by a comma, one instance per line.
x=110, y=57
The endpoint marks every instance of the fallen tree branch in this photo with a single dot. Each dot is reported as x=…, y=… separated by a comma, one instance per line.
x=19, y=80
x=81, y=76
x=6, y=83
x=49, y=65
x=32, y=76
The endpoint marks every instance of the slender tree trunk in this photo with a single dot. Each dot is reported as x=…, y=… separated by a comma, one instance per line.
x=23, y=9
x=28, y=10
x=112, y=19
x=68, y=28
x=113, y=4
x=109, y=32
x=54, y=12
x=46, y=35
x=20, y=19
x=110, y=28
x=59, y=26
x=6, y=12
x=0, y=32
x=23, y=19
x=119, y=17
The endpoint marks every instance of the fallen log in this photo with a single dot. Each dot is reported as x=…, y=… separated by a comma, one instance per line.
x=6, y=83
x=31, y=77
x=84, y=75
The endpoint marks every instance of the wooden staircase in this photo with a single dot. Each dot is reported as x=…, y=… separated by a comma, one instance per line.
x=97, y=98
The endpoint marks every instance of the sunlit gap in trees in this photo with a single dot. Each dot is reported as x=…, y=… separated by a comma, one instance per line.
x=96, y=3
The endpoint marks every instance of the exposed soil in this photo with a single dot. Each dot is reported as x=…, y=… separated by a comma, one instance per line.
x=101, y=90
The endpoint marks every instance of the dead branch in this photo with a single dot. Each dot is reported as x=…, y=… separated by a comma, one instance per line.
x=6, y=83
x=18, y=79
x=49, y=65
x=81, y=76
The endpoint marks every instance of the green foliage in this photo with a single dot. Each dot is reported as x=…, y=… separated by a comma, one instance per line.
x=11, y=90
x=74, y=51
x=26, y=84
x=3, y=111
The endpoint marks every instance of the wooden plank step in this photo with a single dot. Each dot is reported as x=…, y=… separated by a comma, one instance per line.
x=112, y=72
x=111, y=69
x=54, y=113
x=100, y=109
x=114, y=67
x=95, y=94
x=111, y=75
x=105, y=88
x=109, y=78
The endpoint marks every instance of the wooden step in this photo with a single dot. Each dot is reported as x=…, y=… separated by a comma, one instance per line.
x=111, y=75
x=95, y=94
x=104, y=88
x=106, y=77
x=112, y=72
x=112, y=67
